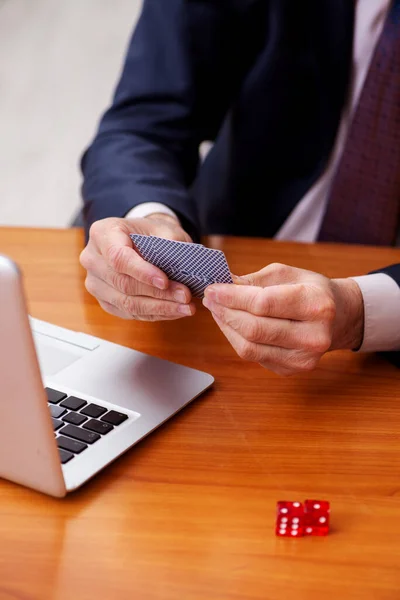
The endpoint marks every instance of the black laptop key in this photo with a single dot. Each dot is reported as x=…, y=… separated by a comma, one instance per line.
x=70, y=445
x=98, y=426
x=57, y=424
x=88, y=437
x=114, y=418
x=53, y=396
x=57, y=411
x=65, y=456
x=73, y=403
x=74, y=418
x=93, y=410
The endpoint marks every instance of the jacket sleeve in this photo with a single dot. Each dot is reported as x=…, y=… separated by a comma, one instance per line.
x=393, y=271
x=180, y=74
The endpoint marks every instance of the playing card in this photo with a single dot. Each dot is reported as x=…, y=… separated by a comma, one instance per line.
x=194, y=265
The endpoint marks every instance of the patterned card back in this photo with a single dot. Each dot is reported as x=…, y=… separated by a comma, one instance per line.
x=194, y=265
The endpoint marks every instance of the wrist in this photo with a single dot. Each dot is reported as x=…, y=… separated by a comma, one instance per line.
x=348, y=331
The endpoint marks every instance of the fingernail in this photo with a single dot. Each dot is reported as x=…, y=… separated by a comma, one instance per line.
x=184, y=309
x=158, y=283
x=180, y=296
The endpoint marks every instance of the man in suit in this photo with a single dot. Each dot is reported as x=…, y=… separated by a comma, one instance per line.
x=302, y=102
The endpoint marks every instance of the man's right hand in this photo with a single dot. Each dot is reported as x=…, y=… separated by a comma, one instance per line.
x=124, y=284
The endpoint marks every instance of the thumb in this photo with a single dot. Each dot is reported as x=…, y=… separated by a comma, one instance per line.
x=241, y=279
x=273, y=274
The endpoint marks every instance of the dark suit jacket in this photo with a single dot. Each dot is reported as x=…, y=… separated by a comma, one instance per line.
x=265, y=79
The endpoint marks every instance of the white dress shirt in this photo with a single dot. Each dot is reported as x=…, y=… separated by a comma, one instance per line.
x=380, y=292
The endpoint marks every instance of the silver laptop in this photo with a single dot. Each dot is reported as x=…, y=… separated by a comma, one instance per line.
x=71, y=403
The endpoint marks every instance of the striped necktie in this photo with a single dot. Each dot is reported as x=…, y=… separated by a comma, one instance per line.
x=364, y=200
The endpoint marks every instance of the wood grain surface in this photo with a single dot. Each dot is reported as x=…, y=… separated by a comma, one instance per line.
x=189, y=513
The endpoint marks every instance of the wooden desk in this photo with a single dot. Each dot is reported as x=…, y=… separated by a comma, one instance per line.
x=189, y=513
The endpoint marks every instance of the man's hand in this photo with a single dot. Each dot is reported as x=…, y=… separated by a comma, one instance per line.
x=124, y=284
x=286, y=318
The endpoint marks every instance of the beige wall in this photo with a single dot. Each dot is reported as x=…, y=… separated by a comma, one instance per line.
x=59, y=61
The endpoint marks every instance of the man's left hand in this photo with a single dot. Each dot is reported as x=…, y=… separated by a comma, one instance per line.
x=286, y=318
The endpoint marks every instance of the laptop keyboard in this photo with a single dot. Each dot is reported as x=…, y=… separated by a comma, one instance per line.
x=79, y=424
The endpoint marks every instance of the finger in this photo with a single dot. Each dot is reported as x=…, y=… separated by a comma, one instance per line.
x=279, y=360
x=109, y=308
x=176, y=292
x=245, y=349
x=117, y=249
x=137, y=306
x=307, y=336
x=274, y=274
x=112, y=310
x=297, y=302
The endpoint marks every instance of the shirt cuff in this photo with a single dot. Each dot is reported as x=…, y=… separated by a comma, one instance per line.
x=381, y=296
x=149, y=208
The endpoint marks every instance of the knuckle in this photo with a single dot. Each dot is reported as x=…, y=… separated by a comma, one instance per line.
x=277, y=336
x=306, y=364
x=261, y=303
x=90, y=285
x=319, y=343
x=221, y=313
x=253, y=331
x=155, y=308
x=122, y=283
x=279, y=269
x=82, y=256
x=168, y=311
x=247, y=351
x=115, y=256
x=314, y=311
x=305, y=293
x=86, y=258
x=95, y=229
x=323, y=308
x=233, y=321
x=164, y=309
x=328, y=309
x=128, y=304
x=157, y=293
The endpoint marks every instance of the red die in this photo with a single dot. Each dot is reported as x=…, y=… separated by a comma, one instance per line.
x=316, y=514
x=290, y=519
